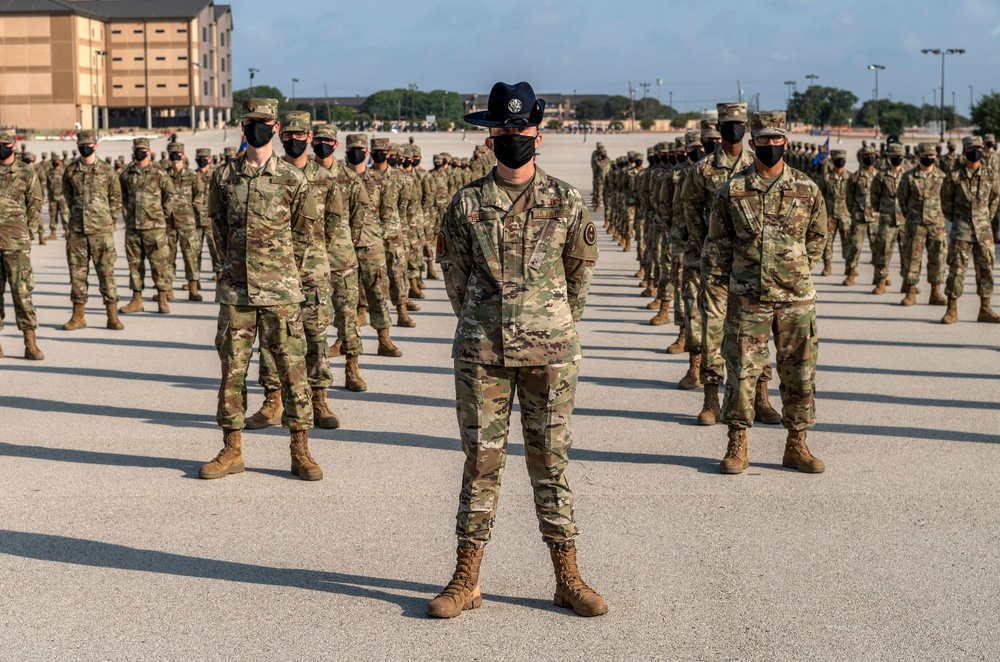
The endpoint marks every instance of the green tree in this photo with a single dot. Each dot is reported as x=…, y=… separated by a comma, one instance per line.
x=590, y=109
x=647, y=124
x=616, y=107
x=894, y=122
x=554, y=125
x=822, y=106
x=986, y=114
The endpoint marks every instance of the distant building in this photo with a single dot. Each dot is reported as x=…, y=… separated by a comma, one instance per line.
x=115, y=63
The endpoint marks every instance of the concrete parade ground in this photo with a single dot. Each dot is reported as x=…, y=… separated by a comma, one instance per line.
x=112, y=548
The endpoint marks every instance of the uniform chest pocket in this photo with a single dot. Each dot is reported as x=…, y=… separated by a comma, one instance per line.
x=748, y=219
x=545, y=237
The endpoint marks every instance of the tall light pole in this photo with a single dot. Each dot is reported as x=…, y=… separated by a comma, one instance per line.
x=252, y=72
x=812, y=78
x=659, y=83
x=942, y=52
x=94, y=79
x=294, y=81
x=970, y=102
x=876, y=68
x=788, y=104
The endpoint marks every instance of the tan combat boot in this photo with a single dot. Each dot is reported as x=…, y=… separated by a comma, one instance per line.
x=352, y=378
x=133, y=306
x=412, y=306
x=303, y=464
x=655, y=304
x=415, y=292
x=114, y=323
x=403, y=318
x=31, y=351
x=193, y=293
x=641, y=273
x=162, y=306
x=52, y=235
x=571, y=591
x=462, y=592
x=431, y=274
x=951, y=315
x=710, y=410
x=692, y=379
x=762, y=409
x=385, y=346
x=628, y=245
x=41, y=239
x=186, y=286
x=230, y=458
x=324, y=418
x=880, y=286
x=646, y=292
x=852, y=274
x=663, y=316
x=986, y=313
x=677, y=346
x=827, y=267
x=362, y=315
x=936, y=298
x=911, y=296
x=337, y=348
x=797, y=455
x=269, y=413
x=1, y=352
x=737, y=456
x=77, y=321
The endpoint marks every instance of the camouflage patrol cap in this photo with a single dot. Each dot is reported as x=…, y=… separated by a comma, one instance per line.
x=970, y=142
x=650, y=151
x=85, y=137
x=295, y=121
x=446, y=156
x=731, y=112
x=380, y=144
x=327, y=131
x=66, y=152
x=989, y=138
x=260, y=109
x=662, y=147
x=28, y=156
x=953, y=145
x=838, y=153
x=768, y=123
x=869, y=150
x=53, y=155
x=894, y=149
x=175, y=148
x=439, y=158
x=202, y=151
x=679, y=144
x=709, y=130
x=107, y=159
x=416, y=151
x=405, y=151
x=140, y=143
x=7, y=136
x=926, y=149
x=600, y=145
x=229, y=151
x=357, y=141
x=692, y=139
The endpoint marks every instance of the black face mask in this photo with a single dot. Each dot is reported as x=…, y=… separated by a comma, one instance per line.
x=769, y=155
x=379, y=156
x=391, y=160
x=416, y=162
x=839, y=163
x=868, y=160
x=513, y=150
x=176, y=156
x=672, y=159
x=294, y=148
x=974, y=155
x=6, y=151
x=896, y=161
x=203, y=161
x=323, y=151
x=710, y=146
x=355, y=155
x=637, y=163
x=406, y=163
x=230, y=159
x=990, y=145
x=927, y=161
x=258, y=134
x=694, y=155
x=138, y=154
x=732, y=132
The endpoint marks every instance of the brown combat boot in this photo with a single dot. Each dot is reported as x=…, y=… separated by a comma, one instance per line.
x=710, y=411
x=951, y=315
x=352, y=378
x=663, y=316
x=911, y=296
x=797, y=455
x=462, y=592
x=52, y=236
x=827, y=267
x=415, y=292
x=986, y=313
x=852, y=274
x=1, y=352
x=936, y=298
x=337, y=348
x=269, y=413
x=571, y=591
x=880, y=286
x=692, y=379
x=41, y=239
x=403, y=318
x=113, y=322
x=133, y=306
x=303, y=464
x=677, y=346
x=641, y=273
x=324, y=418
x=654, y=304
x=31, y=351
x=412, y=306
x=186, y=286
x=77, y=321
x=362, y=315
x=431, y=274
x=628, y=246
x=230, y=458
x=762, y=409
x=162, y=306
x=737, y=456
x=385, y=346
x=647, y=291
x=193, y=294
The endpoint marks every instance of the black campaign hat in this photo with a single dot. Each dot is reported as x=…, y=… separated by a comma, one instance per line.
x=510, y=105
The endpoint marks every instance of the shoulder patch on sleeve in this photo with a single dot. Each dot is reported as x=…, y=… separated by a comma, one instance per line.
x=590, y=234
x=442, y=245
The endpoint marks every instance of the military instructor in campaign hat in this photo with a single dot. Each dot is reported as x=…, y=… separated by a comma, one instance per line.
x=517, y=249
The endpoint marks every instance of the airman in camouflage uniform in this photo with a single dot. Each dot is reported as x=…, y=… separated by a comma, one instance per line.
x=94, y=196
x=919, y=199
x=864, y=217
x=834, y=189
x=600, y=164
x=767, y=231
x=517, y=250
x=184, y=224
x=147, y=195
x=687, y=287
x=386, y=184
x=671, y=256
x=890, y=220
x=992, y=158
x=58, y=209
x=969, y=198
x=20, y=221
x=203, y=159
x=255, y=203
x=951, y=160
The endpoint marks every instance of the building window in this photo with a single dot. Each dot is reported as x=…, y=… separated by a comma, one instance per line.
x=116, y=59
x=161, y=84
x=206, y=88
x=181, y=30
x=182, y=57
x=160, y=59
x=222, y=39
x=205, y=61
x=117, y=87
x=159, y=31
x=222, y=63
x=138, y=59
x=204, y=34
x=140, y=85
x=116, y=32
x=136, y=31
x=183, y=85
x=223, y=89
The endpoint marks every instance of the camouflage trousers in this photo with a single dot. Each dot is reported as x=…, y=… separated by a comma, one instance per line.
x=317, y=314
x=628, y=221
x=836, y=225
x=748, y=327
x=958, y=263
x=713, y=299
x=640, y=235
x=917, y=237
x=483, y=396
x=281, y=330
x=415, y=254
x=856, y=240
x=373, y=285
x=677, y=283
x=143, y=245
x=690, y=284
x=664, y=265
x=885, y=239
x=345, y=310
x=81, y=250
x=598, y=194
x=15, y=269
x=395, y=266
x=58, y=213
x=213, y=251
x=190, y=241
x=650, y=248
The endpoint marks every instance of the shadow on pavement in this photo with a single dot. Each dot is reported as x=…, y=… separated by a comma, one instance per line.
x=118, y=341
x=173, y=419
x=207, y=383
x=881, y=398
x=188, y=467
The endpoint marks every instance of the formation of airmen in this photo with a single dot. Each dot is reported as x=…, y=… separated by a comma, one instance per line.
x=897, y=199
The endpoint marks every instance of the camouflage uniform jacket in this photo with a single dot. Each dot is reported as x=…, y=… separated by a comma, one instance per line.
x=859, y=189
x=427, y=190
x=383, y=190
x=53, y=181
x=679, y=226
x=189, y=191
x=20, y=206
x=919, y=197
x=309, y=233
x=950, y=161
x=147, y=194
x=253, y=213
x=94, y=197
x=834, y=188
x=883, y=197
x=767, y=239
x=969, y=200
x=335, y=229
x=517, y=275
x=442, y=192
x=700, y=188
x=362, y=228
x=204, y=220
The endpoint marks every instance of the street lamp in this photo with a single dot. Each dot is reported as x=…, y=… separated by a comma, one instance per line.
x=93, y=85
x=876, y=68
x=970, y=102
x=788, y=103
x=294, y=81
x=942, y=52
x=252, y=72
x=812, y=78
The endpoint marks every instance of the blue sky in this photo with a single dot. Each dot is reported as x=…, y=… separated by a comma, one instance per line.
x=699, y=49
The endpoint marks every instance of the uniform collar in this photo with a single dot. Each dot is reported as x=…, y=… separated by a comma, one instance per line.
x=243, y=168
x=535, y=195
x=754, y=181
